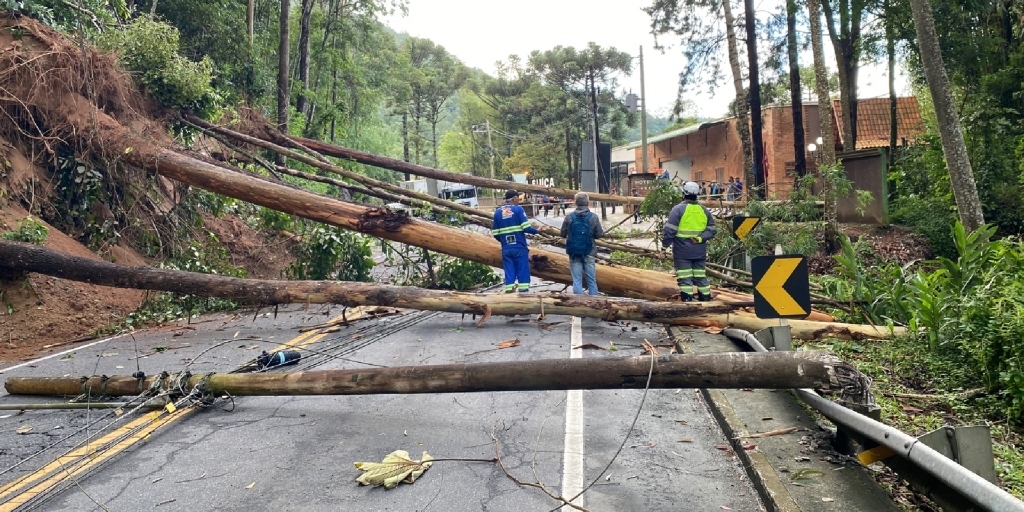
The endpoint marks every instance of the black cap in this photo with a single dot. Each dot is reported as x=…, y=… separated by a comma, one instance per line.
x=509, y=194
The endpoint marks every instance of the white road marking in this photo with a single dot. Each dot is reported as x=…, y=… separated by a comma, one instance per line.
x=572, y=457
x=51, y=356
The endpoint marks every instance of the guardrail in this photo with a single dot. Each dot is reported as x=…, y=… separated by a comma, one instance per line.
x=964, y=484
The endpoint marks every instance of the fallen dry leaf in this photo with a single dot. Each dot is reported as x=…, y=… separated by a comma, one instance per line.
x=509, y=343
x=713, y=330
x=749, y=447
x=25, y=429
x=685, y=440
x=723, y=507
x=395, y=468
x=590, y=346
x=250, y=486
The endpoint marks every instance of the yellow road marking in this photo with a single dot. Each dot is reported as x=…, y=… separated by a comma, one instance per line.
x=771, y=286
x=90, y=455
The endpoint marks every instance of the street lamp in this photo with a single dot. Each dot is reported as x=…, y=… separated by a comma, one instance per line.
x=814, y=149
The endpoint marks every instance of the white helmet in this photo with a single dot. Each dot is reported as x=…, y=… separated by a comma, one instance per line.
x=690, y=188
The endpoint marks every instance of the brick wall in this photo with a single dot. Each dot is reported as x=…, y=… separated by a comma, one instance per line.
x=713, y=148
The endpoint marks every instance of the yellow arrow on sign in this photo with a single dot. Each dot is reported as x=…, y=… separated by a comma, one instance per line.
x=744, y=228
x=771, y=287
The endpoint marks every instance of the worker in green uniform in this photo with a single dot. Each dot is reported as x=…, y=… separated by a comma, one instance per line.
x=687, y=231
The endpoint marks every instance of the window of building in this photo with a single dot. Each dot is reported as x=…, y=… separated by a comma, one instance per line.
x=720, y=174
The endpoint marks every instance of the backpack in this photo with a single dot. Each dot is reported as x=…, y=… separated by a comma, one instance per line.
x=580, y=241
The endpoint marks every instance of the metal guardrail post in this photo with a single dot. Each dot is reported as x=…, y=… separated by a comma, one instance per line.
x=951, y=485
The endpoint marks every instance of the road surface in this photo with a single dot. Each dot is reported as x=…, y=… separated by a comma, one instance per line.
x=298, y=453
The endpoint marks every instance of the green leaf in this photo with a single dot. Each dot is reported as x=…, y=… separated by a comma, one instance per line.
x=396, y=467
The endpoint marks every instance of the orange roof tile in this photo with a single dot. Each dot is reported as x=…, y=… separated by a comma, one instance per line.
x=873, y=121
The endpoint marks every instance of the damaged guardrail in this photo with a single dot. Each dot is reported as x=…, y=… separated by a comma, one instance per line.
x=951, y=485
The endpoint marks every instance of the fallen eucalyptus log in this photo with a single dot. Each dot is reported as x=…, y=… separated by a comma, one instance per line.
x=106, y=134
x=773, y=370
x=394, y=164
x=22, y=257
x=799, y=329
x=32, y=258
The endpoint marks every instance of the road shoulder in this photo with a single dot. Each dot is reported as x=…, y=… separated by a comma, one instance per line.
x=790, y=471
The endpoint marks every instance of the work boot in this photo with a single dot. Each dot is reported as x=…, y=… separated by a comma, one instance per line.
x=685, y=297
x=702, y=297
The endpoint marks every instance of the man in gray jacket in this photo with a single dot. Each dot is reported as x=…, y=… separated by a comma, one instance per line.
x=687, y=230
x=580, y=228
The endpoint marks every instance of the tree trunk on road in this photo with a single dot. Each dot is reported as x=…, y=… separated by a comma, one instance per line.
x=771, y=370
x=31, y=258
x=961, y=176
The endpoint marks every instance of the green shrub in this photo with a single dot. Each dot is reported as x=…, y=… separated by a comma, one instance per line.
x=460, y=274
x=932, y=218
x=29, y=230
x=328, y=252
x=149, y=49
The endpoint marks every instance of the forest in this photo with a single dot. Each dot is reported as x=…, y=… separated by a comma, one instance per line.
x=332, y=71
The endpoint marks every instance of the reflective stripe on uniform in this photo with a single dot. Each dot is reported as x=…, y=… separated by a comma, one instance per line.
x=684, y=272
x=693, y=222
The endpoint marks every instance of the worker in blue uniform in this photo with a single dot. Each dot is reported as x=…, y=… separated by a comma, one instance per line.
x=510, y=228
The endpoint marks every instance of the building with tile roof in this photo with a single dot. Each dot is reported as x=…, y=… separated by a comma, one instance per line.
x=711, y=151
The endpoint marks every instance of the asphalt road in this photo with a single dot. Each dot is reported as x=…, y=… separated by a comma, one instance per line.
x=297, y=453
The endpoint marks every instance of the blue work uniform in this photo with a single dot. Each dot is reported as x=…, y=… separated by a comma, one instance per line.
x=510, y=228
x=687, y=230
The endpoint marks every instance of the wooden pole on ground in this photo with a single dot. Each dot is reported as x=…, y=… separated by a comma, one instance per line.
x=20, y=257
x=772, y=370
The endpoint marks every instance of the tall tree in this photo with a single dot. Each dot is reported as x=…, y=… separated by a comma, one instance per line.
x=844, y=29
x=827, y=151
x=305, y=14
x=759, y=185
x=961, y=175
x=695, y=22
x=283, y=91
x=796, y=97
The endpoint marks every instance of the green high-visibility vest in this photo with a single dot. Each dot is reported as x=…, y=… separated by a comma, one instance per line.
x=693, y=222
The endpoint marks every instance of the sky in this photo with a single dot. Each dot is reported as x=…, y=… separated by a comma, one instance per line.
x=482, y=32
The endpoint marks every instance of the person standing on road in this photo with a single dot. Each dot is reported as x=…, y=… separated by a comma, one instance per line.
x=687, y=230
x=579, y=229
x=510, y=228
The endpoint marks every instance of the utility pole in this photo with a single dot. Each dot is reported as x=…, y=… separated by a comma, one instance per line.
x=602, y=179
x=643, y=115
x=490, y=152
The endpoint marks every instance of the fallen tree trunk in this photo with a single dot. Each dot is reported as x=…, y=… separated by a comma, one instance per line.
x=394, y=164
x=109, y=136
x=32, y=258
x=774, y=370
x=800, y=329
